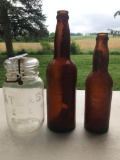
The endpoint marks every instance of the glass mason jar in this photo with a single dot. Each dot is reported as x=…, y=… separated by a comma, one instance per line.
x=23, y=95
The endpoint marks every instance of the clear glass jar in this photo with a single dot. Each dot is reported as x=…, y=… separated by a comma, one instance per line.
x=23, y=95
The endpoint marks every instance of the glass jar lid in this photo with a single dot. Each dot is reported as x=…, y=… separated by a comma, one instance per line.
x=19, y=68
x=22, y=63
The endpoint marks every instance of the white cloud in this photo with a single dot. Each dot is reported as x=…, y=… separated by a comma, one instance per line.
x=84, y=16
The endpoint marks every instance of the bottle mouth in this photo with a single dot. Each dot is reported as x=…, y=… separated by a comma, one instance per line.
x=62, y=12
x=62, y=15
x=102, y=34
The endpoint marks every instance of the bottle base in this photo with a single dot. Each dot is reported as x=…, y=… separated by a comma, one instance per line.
x=96, y=131
x=61, y=130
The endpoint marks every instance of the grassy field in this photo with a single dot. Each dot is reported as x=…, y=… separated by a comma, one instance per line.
x=22, y=45
x=84, y=66
x=88, y=42
x=85, y=43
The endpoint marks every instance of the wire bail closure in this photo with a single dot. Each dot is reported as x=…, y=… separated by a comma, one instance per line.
x=20, y=82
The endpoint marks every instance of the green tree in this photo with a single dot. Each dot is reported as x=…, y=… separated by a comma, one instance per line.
x=74, y=49
x=51, y=37
x=21, y=18
x=117, y=14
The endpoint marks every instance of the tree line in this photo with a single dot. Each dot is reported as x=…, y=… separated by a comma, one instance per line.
x=24, y=22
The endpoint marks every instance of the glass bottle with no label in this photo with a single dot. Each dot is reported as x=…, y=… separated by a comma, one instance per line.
x=61, y=80
x=23, y=95
x=98, y=91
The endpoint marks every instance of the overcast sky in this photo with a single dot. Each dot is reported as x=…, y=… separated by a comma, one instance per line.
x=84, y=16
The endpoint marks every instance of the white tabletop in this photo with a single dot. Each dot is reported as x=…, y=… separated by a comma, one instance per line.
x=76, y=145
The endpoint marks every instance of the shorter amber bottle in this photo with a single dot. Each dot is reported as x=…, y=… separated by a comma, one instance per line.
x=98, y=90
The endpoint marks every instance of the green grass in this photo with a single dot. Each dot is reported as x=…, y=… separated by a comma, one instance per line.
x=84, y=66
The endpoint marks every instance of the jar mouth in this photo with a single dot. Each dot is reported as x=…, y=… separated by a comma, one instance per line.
x=22, y=63
x=18, y=70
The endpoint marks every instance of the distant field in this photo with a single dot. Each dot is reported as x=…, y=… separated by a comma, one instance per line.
x=88, y=42
x=85, y=43
x=22, y=45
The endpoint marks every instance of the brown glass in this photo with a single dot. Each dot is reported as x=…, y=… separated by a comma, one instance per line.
x=98, y=91
x=61, y=80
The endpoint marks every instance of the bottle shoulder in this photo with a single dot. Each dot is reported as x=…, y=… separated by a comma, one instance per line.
x=62, y=62
x=99, y=77
x=61, y=67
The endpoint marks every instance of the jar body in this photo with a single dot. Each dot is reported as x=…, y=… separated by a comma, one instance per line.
x=24, y=105
x=61, y=92
x=98, y=95
x=23, y=95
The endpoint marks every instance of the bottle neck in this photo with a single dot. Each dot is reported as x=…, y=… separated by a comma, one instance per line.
x=101, y=54
x=62, y=38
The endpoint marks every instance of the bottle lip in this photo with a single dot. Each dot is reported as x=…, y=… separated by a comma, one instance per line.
x=62, y=12
x=102, y=34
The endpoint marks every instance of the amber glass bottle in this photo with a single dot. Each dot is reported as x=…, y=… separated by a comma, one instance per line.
x=61, y=80
x=98, y=92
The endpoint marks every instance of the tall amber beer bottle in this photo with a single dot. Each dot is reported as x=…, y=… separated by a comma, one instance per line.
x=98, y=91
x=61, y=80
